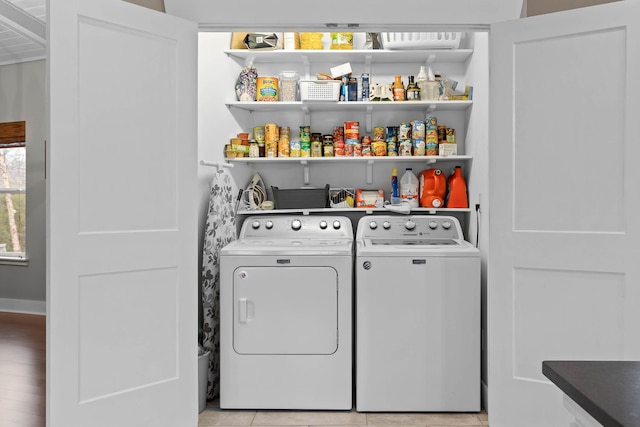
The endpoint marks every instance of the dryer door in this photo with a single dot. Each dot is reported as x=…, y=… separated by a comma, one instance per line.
x=285, y=310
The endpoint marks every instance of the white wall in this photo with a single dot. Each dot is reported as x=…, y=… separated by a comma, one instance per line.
x=22, y=97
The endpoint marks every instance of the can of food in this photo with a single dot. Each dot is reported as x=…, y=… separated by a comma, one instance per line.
x=271, y=132
x=366, y=146
x=294, y=148
x=357, y=149
x=271, y=148
x=404, y=131
x=431, y=123
x=338, y=133
x=349, y=148
x=442, y=134
x=379, y=148
x=305, y=133
x=305, y=149
x=258, y=133
x=404, y=147
x=432, y=145
x=365, y=86
x=283, y=148
x=351, y=131
x=417, y=129
x=338, y=149
x=378, y=133
x=451, y=136
x=392, y=148
x=419, y=147
x=267, y=89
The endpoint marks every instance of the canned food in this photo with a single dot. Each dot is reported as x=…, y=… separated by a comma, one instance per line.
x=349, y=148
x=392, y=148
x=431, y=123
x=379, y=148
x=305, y=148
x=351, y=131
x=258, y=133
x=419, y=147
x=404, y=147
x=271, y=148
x=271, y=132
x=417, y=129
x=338, y=133
x=316, y=148
x=442, y=134
x=267, y=89
x=327, y=150
x=404, y=131
x=283, y=148
x=378, y=133
x=305, y=134
x=432, y=145
x=294, y=148
x=338, y=149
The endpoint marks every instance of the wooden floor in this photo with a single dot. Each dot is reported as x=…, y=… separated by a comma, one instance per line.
x=22, y=370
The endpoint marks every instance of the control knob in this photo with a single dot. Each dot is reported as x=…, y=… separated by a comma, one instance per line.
x=373, y=225
x=386, y=225
x=336, y=224
x=323, y=224
x=410, y=224
x=446, y=225
x=433, y=225
x=255, y=224
x=269, y=225
x=296, y=224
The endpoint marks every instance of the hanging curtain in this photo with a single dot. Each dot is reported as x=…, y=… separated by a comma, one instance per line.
x=220, y=229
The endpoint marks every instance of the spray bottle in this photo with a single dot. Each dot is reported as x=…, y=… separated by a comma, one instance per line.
x=395, y=194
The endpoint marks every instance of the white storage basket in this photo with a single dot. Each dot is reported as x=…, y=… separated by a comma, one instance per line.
x=406, y=41
x=320, y=90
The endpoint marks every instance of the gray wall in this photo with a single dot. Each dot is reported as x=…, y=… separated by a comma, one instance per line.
x=23, y=97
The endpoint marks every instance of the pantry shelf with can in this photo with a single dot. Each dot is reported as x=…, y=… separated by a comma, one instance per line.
x=367, y=161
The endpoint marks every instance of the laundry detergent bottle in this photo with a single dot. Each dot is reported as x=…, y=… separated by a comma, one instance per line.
x=457, y=190
x=409, y=188
x=433, y=188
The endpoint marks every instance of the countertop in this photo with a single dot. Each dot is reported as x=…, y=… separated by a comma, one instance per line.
x=608, y=390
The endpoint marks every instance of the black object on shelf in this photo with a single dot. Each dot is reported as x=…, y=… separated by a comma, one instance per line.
x=301, y=198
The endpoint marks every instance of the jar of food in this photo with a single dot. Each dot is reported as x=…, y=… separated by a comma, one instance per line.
x=289, y=86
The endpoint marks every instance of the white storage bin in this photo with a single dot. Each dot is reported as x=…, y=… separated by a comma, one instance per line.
x=320, y=90
x=406, y=41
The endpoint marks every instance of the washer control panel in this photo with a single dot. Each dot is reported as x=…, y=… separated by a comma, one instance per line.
x=307, y=226
x=419, y=226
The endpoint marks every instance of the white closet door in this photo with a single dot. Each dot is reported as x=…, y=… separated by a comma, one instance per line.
x=563, y=270
x=122, y=257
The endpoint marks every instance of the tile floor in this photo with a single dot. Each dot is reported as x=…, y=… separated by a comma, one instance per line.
x=214, y=416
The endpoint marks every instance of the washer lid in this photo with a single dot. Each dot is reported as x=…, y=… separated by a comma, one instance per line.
x=289, y=246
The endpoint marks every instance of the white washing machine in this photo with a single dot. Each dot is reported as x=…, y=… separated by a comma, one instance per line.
x=286, y=314
x=417, y=315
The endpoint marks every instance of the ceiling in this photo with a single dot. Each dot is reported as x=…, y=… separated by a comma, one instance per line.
x=22, y=31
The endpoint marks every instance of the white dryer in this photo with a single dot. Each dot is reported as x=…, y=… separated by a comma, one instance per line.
x=417, y=315
x=286, y=314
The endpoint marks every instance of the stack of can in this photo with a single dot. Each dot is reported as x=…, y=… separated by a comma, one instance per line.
x=418, y=137
x=305, y=141
x=404, y=139
x=392, y=140
x=431, y=138
x=338, y=141
x=379, y=145
x=283, y=142
x=352, y=143
x=272, y=135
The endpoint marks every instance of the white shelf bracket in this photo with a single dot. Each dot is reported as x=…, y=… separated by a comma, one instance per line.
x=305, y=171
x=431, y=108
x=431, y=59
x=431, y=161
x=370, y=171
x=307, y=67
x=368, y=120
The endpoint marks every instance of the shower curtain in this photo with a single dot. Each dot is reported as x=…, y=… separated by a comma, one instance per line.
x=220, y=229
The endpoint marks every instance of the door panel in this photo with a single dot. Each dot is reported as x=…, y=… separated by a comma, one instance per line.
x=122, y=259
x=562, y=282
x=285, y=310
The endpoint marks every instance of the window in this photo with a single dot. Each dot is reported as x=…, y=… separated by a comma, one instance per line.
x=12, y=190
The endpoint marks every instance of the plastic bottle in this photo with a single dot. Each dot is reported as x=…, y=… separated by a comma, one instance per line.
x=412, y=92
x=421, y=78
x=457, y=190
x=409, y=188
x=398, y=89
x=395, y=195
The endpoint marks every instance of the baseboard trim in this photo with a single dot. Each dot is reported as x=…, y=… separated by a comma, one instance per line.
x=23, y=306
x=485, y=396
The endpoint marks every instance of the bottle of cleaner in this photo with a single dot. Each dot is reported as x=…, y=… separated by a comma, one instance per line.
x=457, y=190
x=421, y=78
x=395, y=195
x=409, y=188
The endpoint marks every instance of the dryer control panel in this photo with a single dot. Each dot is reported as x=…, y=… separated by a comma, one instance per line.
x=298, y=226
x=418, y=226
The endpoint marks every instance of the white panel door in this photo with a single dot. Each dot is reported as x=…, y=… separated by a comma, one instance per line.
x=122, y=256
x=563, y=271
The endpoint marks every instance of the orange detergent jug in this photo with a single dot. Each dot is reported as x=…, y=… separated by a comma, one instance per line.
x=457, y=188
x=433, y=188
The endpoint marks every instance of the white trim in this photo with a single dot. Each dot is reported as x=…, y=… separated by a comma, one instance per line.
x=23, y=306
